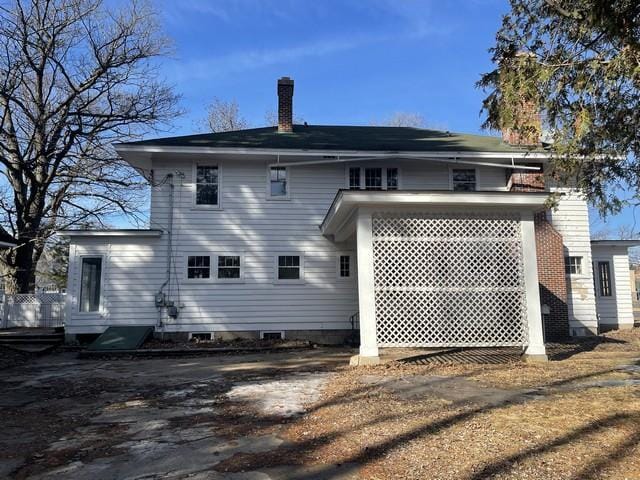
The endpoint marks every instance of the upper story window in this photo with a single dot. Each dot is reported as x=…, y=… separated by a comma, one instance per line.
x=207, y=185
x=573, y=265
x=90, y=284
x=354, y=178
x=373, y=178
x=604, y=279
x=198, y=266
x=278, y=182
x=463, y=179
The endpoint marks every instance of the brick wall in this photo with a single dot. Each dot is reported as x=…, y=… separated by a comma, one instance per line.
x=551, y=278
x=550, y=253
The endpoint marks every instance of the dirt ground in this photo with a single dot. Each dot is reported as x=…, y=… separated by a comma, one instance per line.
x=306, y=415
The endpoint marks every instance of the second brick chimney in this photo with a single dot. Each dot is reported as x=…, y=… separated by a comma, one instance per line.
x=285, y=105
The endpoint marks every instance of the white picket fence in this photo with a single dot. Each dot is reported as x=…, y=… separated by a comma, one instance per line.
x=44, y=310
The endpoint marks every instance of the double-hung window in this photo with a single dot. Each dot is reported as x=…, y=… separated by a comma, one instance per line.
x=198, y=266
x=278, y=182
x=373, y=178
x=90, y=284
x=573, y=265
x=228, y=266
x=604, y=279
x=344, y=266
x=463, y=179
x=354, y=178
x=289, y=267
x=207, y=185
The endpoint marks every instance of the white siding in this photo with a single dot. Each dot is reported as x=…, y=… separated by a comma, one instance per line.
x=616, y=310
x=258, y=229
x=571, y=219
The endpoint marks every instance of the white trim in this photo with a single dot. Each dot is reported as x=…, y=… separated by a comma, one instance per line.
x=281, y=332
x=477, y=175
x=278, y=198
x=110, y=233
x=103, y=268
x=307, y=152
x=296, y=281
x=347, y=201
x=194, y=183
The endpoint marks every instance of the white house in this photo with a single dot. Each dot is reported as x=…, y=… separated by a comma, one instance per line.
x=417, y=237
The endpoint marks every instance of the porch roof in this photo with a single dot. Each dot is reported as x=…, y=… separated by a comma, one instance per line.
x=347, y=202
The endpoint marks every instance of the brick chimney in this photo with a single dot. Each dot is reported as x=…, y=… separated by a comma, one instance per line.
x=285, y=105
x=525, y=109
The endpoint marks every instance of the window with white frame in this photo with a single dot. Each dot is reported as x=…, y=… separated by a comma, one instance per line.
x=344, y=266
x=573, y=265
x=463, y=179
x=207, y=185
x=354, y=178
x=604, y=279
x=228, y=266
x=198, y=266
x=373, y=178
x=392, y=179
x=90, y=284
x=278, y=182
x=289, y=267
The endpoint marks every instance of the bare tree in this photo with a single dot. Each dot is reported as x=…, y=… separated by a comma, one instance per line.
x=402, y=119
x=224, y=116
x=74, y=77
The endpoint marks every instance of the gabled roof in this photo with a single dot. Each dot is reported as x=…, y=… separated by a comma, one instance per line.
x=340, y=138
x=6, y=240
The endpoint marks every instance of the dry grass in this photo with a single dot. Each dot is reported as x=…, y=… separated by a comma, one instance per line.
x=572, y=430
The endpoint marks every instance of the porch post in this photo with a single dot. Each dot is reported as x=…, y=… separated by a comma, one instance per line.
x=366, y=294
x=535, y=350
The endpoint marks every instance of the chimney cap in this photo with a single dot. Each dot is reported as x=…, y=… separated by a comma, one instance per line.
x=285, y=81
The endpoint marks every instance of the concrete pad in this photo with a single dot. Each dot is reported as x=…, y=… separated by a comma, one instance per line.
x=453, y=389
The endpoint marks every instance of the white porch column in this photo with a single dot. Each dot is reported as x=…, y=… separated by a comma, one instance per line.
x=535, y=350
x=366, y=293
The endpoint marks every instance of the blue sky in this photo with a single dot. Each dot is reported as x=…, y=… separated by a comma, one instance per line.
x=353, y=61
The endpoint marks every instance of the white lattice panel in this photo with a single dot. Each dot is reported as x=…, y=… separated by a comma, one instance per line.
x=449, y=280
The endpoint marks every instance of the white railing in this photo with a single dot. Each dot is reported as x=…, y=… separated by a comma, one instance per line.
x=44, y=310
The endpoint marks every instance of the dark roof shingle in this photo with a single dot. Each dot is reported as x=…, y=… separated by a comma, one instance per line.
x=341, y=138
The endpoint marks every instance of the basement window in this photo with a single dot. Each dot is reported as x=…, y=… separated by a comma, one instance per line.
x=573, y=265
x=201, y=337
x=90, y=284
x=198, y=267
x=278, y=335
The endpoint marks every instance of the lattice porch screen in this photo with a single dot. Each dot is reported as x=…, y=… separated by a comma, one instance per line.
x=449, y=280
